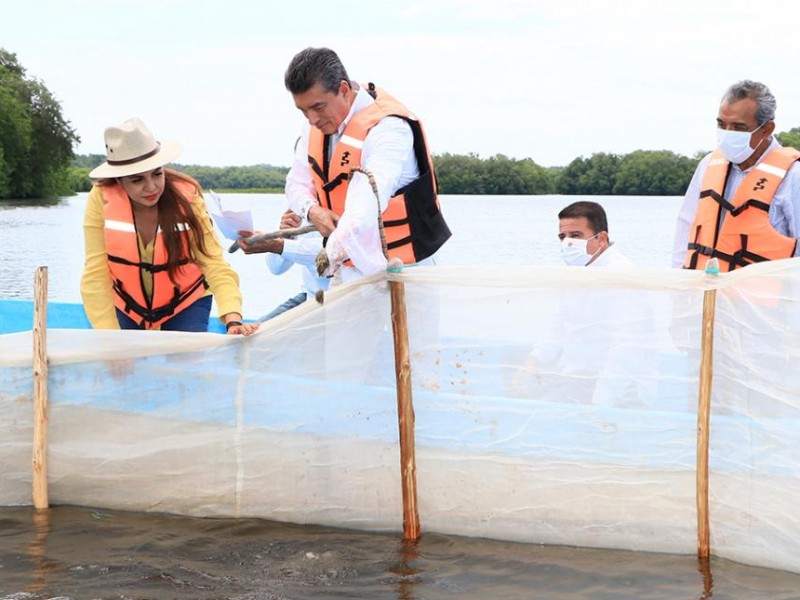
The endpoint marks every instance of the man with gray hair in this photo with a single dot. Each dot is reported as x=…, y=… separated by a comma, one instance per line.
x=743, y=203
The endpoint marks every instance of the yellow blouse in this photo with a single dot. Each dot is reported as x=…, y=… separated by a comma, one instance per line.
x=96, y=290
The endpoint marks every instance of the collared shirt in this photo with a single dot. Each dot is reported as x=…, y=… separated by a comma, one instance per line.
x=302, y=251
x=612, y=257
x=388, y=153
x=784, y=212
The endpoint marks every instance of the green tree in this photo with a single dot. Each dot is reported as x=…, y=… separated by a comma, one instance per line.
x=589, y=176
x=653, y=173
x=569, y=178
x=458, y=174
x=469, y=174
x=790, y=138
x=88, y=161
x=254, y=177
x=35, y=139
x=537, y=179
x=15, y=129
x=78, y=179
x=5, y=184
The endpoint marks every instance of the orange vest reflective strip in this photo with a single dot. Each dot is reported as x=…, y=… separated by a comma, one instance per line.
x=122, y=247
x=413, y=223
x=746, y=235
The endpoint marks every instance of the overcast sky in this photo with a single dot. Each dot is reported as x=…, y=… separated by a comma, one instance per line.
x=548, y=80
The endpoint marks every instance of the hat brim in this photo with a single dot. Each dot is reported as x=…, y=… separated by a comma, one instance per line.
x=167, y=153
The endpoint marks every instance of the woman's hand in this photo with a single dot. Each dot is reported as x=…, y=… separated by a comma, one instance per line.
x=243, y=329
x=234, y=325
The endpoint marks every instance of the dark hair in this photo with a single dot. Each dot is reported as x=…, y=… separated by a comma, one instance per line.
x=591, y=211
x=765, y=101
x=315, y=65
x=174, y=209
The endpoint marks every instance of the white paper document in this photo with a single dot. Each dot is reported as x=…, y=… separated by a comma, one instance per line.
x=230, y=222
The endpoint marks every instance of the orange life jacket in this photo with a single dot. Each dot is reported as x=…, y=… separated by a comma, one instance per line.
x=745, y=236
x=168, y=297
x=413, y=223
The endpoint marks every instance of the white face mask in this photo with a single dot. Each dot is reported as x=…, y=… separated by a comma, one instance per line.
x=735, y=145
x=573, y=251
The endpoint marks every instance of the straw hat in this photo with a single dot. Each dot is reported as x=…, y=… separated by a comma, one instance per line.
x=131, y=148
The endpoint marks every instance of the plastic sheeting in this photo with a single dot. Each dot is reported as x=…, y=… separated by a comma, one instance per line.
x=553, y=405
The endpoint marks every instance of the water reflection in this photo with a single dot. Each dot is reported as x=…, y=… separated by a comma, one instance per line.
x=79, y=552
x=37, y=549
x=50, y=232
x=408, y=575
x=704, y=567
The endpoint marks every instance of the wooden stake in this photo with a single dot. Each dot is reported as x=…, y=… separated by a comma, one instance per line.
x=703, y=419
x=405, y=411
x=402, y=368
x=40, y=499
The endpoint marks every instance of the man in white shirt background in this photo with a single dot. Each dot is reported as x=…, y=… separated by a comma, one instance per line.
x=583, y=231
x=283, y=254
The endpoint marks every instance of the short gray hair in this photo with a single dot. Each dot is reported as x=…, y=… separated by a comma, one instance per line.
x=765, y=101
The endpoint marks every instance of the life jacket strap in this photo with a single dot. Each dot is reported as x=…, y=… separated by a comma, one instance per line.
x=396, y=222
x=154, y=315
x=734, y=210
x=333, y=184
x=145, y=265
x=398, y=243
x=740, y=258
x=316, y=168
x=752, y=202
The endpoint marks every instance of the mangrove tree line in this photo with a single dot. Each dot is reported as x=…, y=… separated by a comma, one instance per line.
x=261, y=178
x=35, y=140
x=36, y=159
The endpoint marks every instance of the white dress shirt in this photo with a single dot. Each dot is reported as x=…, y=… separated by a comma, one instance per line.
x=784, y=212
x=388, y=153
x=612, y=257
x=301, y=251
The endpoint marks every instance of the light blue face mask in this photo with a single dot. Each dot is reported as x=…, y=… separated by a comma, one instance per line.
x=574, y=253
x=735, y=145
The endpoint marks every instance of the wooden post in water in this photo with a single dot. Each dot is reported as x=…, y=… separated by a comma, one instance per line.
x=402, y=369
x=704, y=417
x=40, y=499
x=405, y=411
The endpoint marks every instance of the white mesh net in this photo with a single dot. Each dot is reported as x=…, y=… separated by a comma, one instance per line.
x=553, y=405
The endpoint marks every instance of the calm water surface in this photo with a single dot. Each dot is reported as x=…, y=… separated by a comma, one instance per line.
x=486, y=230
x=80, y=553
x=73, y=553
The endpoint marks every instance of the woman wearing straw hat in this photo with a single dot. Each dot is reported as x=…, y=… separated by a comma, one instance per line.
x=152, y=259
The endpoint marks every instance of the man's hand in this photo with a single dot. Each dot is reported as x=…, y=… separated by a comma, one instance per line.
x=322, y=263
x=275, y=246
x=290, y=220
x=324, y=219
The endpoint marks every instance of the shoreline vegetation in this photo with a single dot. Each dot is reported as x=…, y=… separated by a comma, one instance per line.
x=640, y=173
x=37, y=160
